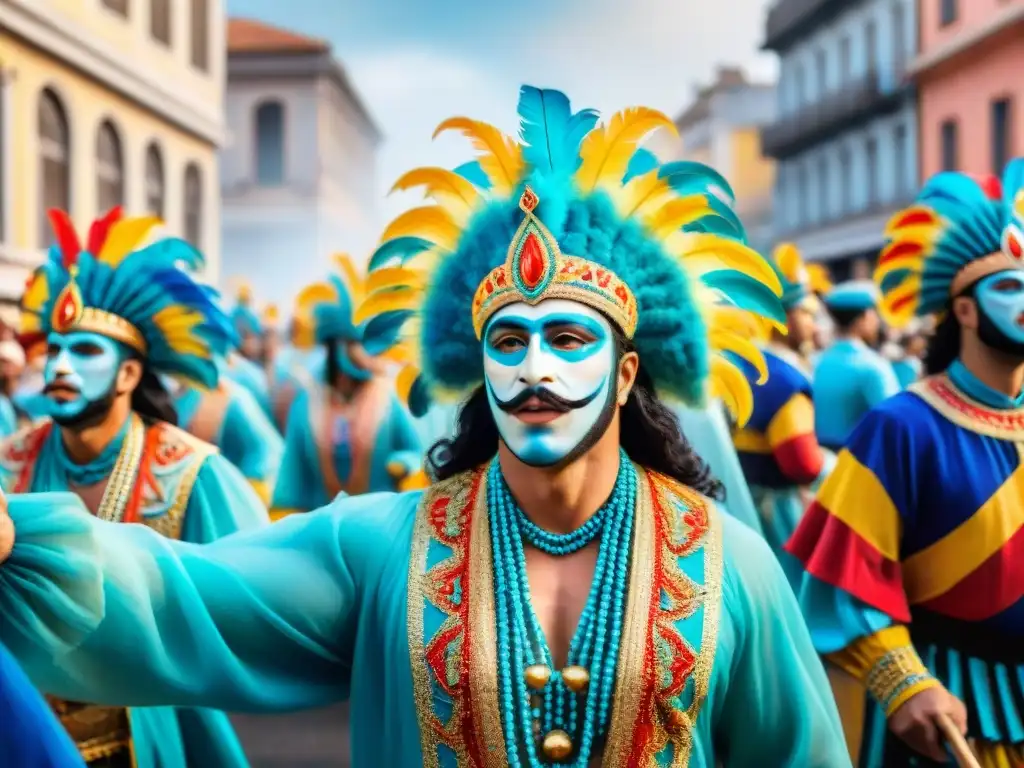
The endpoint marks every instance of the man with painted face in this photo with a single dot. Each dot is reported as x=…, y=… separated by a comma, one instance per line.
x=116, y=319
x=913, y=582
x=347, y=430
x=565, y=592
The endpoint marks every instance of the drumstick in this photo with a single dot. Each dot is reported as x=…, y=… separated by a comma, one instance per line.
x=961, y=751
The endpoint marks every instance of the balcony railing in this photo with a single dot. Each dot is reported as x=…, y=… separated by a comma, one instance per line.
x=834, y=113
x=789, y=19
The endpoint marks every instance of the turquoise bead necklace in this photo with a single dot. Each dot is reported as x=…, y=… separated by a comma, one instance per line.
x=551, y=716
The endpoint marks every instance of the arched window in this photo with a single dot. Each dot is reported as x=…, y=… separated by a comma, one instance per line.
x=154, y=181
x=270, y=144
x=160, y=21
x=55, y=161
x=193, y=205
x=109, y=168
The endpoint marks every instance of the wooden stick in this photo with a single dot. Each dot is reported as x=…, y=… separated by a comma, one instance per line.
x=961, y=750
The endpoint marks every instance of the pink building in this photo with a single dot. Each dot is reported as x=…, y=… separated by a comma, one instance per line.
x=970, y=77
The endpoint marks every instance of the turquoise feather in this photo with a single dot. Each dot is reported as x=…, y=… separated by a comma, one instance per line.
x=384, y=331
x=473, y=173
x=746, y=293
x=643, y=161
x=400, y=249
x=550, y=132
x=687, y=177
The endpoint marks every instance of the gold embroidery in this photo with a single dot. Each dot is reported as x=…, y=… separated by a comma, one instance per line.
x=942, y=395
x=713, y=572
x=629, y=672
x=121, y=484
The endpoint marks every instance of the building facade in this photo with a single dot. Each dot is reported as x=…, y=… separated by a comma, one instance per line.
x=722, y=128
x=103, y=103
x=845, y=136
x=970, y=79
x=298, y=174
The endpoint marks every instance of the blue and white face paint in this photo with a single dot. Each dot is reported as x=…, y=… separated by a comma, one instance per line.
x=80, y=376
x=1000, y=298
x=550, y=372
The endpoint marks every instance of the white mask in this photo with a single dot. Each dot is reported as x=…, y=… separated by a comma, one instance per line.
x=563, y=356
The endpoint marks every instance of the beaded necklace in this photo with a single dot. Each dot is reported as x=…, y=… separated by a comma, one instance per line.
x=551, y=716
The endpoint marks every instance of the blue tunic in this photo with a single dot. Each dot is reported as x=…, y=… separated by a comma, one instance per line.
x=361, y=616
x=850, y=379
x=30, y=735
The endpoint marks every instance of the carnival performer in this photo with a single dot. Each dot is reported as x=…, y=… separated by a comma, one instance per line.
x=116, y=318
x=348, y=430
x=913, y=582
x=556, y=300
x=229, y=418
x=908, y=364
x=778, y=449
x=297, y=365
x=12, y=366
x=30, y=735
x=247, y=365
x=850, y=376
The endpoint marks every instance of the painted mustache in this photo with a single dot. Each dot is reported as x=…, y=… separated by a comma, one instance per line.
x=546, y=397
x=60, y=386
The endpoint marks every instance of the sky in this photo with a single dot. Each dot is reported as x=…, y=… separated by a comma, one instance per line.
x=417, y=62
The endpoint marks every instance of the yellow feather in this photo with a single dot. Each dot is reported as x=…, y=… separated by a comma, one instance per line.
x=892, y=226
x=124, y=238
x=913, y=263
x=37, y=293
x=311, y=295
x=901, y=315
x=740, y=344
x=405, y=380
x=640, y=194
x=429, y=222
x=821, y=281
x=787, y=259
x=303, y=333
x=400, y=353
x=30, y=323
x=730, y=316
x=676, y=213
x=354, y=281
x=387, y=301
x=388, y=278
x=607, y=150
x=501, y=156
x=735, y=255
x=447, y=188
x=729, y=384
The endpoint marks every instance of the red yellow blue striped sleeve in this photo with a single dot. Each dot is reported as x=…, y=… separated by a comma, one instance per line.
x=794, y=445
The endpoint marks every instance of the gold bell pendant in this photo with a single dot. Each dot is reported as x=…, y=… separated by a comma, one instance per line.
x=537, y=676
x=557, y=745
x=576, y=679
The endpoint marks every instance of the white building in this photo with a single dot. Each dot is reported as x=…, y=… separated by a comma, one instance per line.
x=298, y=174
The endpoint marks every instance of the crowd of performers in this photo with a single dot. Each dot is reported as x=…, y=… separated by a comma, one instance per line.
x=569, y=474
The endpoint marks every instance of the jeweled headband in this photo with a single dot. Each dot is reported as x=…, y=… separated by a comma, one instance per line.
x=70, y=314
x=536, y=270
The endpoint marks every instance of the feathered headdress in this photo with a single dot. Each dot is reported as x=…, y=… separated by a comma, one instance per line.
x=794, y=275
x=146, y=298
x=959, y=230
x=330, y=306
x=243, y=316
x=573, y=210
x=821, y=280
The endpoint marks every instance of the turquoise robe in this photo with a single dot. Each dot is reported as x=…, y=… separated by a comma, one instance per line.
x=220, y=502
x=907, y=370
x=850, y=379
x=251, y=376
x=8, y=417
x=315, y=446
x=368, y=613
x=30, y=734
x=245, y=436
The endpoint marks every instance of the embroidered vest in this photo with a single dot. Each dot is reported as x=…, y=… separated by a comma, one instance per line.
x=168, y=466
x=669, y=635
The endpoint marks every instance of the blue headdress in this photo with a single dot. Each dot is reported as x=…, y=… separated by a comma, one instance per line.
x=853, y=296
x=574, y=210
x=957, y=231
x=243, y=316
x=146, y=298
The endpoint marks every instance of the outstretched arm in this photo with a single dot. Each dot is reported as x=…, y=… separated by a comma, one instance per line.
x=262, y=620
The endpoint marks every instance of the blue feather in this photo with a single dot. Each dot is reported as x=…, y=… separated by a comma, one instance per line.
x=419, y=398
x=551, y=133
x=746, y=293
x=400, y=248
x=688, y=177
x=473, y=173
x=1013, y=180
x=643, y=161
x=383, y=331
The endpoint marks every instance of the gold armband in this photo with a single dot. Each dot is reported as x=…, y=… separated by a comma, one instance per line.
x=897, y=676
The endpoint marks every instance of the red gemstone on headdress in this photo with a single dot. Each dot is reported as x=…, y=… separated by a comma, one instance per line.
x=603, y=278
x=529, y=200
x=620, y=291
x=1016, y=250
x=531, y=261
x=67, y=309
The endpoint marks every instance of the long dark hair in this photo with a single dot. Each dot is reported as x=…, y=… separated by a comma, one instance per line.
x=649, y=433
x=944, y=345
x=152, y=401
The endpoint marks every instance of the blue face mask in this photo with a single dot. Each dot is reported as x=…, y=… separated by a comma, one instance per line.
x=559, y=359
x=1000, y=298
x=80, y=375
x=346, y=365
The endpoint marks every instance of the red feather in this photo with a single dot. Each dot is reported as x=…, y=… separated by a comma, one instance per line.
x=100, y=229
x=67, y=239
x=990, y=185
x=899, y=248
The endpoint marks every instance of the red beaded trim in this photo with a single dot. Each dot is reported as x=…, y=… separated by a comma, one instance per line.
x=20, y=451
x=1010, y=422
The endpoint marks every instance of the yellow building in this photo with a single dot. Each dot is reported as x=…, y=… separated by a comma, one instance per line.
x=721, y=128
x=103, y=103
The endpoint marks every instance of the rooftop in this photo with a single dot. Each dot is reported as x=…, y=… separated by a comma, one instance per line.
x=251, y=36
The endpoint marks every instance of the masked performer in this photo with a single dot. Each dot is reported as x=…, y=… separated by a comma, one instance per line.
x=229, y=418
x=116, y=319
x=914, y=583
x=555, y=298
x=348, y=431
x=850, y=377
x=30, y=735
x=778, y=449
